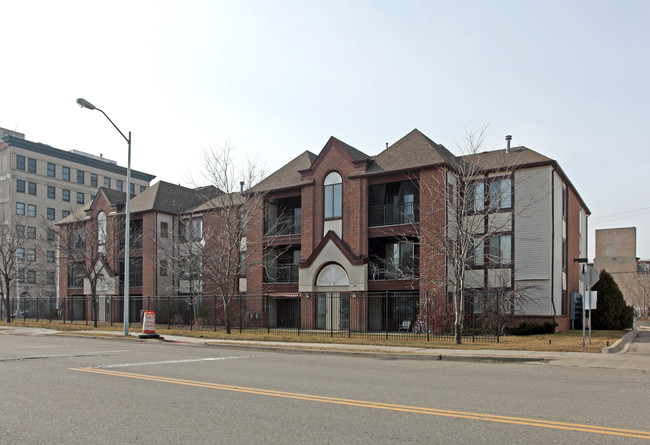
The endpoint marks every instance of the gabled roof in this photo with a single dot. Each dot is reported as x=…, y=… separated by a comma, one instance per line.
x=517, y=157
x=170, y=198
x=287, y=176
x=356, y=155
x=412, y=151
x=221, y=201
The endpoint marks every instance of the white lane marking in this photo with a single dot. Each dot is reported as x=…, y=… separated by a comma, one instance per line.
x=167, y=362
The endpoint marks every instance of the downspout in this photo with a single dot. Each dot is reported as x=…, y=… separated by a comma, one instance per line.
x=553, y=243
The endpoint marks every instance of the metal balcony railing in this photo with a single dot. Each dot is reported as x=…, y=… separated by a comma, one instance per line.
x=393, y=214
x=283, y=225
x=282, y=273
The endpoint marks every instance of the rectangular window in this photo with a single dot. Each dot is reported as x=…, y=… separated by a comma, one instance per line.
x=476, y=254
x=51, y=170
x=76, y=274
x=500, y=193
x=135, y=272
x=81, y=177
x=20, y=275
x=142, y=188
x=31, y=210
x=31, y=188
x=31, y=232
x=20, y=186
x=20, y=162
x=50, y=214
x=400, y=260
x=80, y=198
x=66, y=173
x=20, y=231
x=242, y=264
x=31, y=165
x=20, y=254
x=65, y=195
x=164, y=230
x=163, y=267
x=118, y=186
x=20, y=208
x=333, y=200
x=475, y=201
x=50, y=256
x=132, y=187
x=500, y=250
x=50, y=277
x=50, y=235
x=51, y=192
x=31, y=254
x=136, y=234
x=190, y=230
x=93, y=180
x=107, y=183
x=564, y=255
x=565, y=202
x=65, y=213
x=31, y=276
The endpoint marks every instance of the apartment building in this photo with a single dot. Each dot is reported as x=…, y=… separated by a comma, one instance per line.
x=346, y=240
x=39, y=185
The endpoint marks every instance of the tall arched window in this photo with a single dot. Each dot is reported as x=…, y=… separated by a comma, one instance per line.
x=101, y=228
x=333, y=196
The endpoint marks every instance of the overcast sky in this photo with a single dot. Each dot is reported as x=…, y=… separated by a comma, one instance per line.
x=569, y=79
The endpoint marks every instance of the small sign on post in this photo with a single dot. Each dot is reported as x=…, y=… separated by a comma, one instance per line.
x=149, y=325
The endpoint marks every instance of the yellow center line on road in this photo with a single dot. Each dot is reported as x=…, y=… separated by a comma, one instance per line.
x=384, y=406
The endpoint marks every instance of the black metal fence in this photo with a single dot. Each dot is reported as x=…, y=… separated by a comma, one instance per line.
x=386, y=315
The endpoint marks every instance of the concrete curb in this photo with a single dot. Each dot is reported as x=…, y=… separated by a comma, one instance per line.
x=622, y=344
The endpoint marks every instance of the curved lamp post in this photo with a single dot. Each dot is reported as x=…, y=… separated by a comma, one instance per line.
x=83, y=103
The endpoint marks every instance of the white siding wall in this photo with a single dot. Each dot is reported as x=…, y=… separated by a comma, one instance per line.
x=532, y=239
x=560, y=233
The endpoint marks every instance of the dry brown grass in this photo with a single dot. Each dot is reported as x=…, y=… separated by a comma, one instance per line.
x=561, y=341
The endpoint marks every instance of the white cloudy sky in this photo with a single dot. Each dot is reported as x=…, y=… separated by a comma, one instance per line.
x=569, y=79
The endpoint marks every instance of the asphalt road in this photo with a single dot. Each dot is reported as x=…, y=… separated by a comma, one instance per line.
x=74, y=390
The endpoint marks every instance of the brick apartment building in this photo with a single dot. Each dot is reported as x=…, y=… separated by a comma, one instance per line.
x=342, y=235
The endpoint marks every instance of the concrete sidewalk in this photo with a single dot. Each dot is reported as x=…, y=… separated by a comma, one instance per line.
x=618, y=359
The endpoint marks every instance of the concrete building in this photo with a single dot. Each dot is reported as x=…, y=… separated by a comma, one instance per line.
x=39, y=185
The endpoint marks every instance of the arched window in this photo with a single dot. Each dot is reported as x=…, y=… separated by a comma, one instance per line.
x=333, y=196
x=101, y=228
x=332, y=275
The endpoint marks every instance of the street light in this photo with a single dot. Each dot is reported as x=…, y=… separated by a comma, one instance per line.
x=83, y=103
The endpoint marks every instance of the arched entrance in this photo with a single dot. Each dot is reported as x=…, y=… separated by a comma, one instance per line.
x=332, y=298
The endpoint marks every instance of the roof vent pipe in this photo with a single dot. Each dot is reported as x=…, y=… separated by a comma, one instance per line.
x=508, y=139
x=241, y=187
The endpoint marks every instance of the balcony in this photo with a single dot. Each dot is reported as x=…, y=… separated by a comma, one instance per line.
x=393, y=214
x=283, y=225
x=281, y=273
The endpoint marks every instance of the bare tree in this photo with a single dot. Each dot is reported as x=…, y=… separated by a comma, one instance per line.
x=475, y=191
x=15, y=256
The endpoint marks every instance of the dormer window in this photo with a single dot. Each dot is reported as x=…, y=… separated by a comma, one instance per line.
x=333, y=196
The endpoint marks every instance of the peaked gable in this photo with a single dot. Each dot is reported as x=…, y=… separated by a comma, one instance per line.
x=351, y=154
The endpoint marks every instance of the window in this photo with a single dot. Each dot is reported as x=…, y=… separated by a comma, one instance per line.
x=93, y=180
x=132, y=189
x=565, y=202
x=400, y=260
x=500, y=193
x=20, y=231
x=101, y=228
x=142, y=188
x=190, y=230
x=164, y=230
x=31, y=210
x=50, y=213
x=475, y=201
x=81, y=177
x=20, y=274
x=65, y=195
x=565, y=255
x=333, y=195
x=31, y=232
x=65, y=213
x=500, y=250
x=20, y=254
x=51, y=192
x=50, y=256
x=20, y=162
x=163, y=268
x=135, y=272
x=107, y=183
x=31, y=188
x=76, y=274
x=136, y=234
x=50, y=235
x=51, y=170
x=242, y=264
x=66, y=173
x=476, y=254
x=80, y=198
x=118, y=185
x=92, y=197
x=20, y=186
x=31, y=165
x=31, y=254
x=50, y=277
x=20, y=208
x=31, y=276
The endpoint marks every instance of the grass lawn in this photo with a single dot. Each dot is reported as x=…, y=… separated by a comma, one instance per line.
x=561, y=341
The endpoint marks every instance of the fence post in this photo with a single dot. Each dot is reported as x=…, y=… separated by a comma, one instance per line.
x=240, y=319
x=498, y=328
x=169, y=312
x=299, y=313
x=386, y=312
